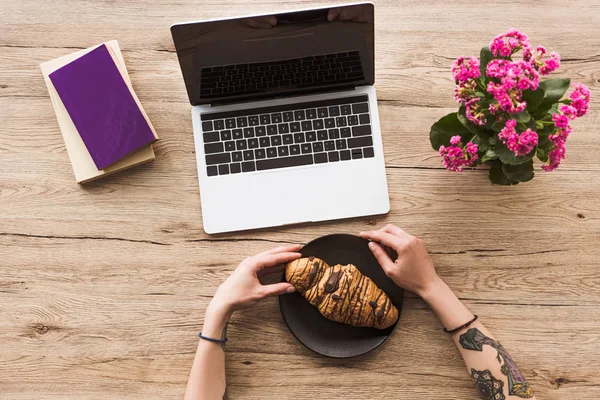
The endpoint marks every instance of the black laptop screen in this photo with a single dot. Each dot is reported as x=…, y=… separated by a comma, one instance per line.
x=276, y=55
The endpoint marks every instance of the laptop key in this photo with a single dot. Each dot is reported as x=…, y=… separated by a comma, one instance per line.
x=252, y=143
x=334, y=133
x=283, y=151
x=363, y=141
x=235, y=168
x=225, y=135
x=213, y=159
x=207, y=126
x=334, y=111
x=345, y=109
x=248, y=166
x=340, y=144
x=224, y=169
x=322, y=112
x=237, y=156
x=264, y=142
x=276, y=140
x=276, y=118
x=230, y=123
x=329, y=145
x=368, y=152
x=272, y=129
x=311, y=136
x=241, y=145
x=362, y=130
x=260, y=153
x=288, y=139
x=320, y=158
x=345, y=132
x=248, y=132
x=341, y=121
x=360, y=108
x=322, y=135
x=237, y=134
x=345, y=155
x=299, y=115
x=210, y=148
x=311, y=113
x=284, y=162
x=356, y=154
x=306, y=148
x=260, y=131
x=299, y=138
x=230, y=146
x=318, y=124
x=219, y=124
x=294, y=149
x=210, y=137
x=271, y=152
x=242, y=122
x=364, y=119
x=253, y=120
x=329, y=123
x=265, y=119
x=306, y=125
x=317, y=147
x=212, y=170
x=295, y=127
x=333, y=156
x=283, y=128
x=352, y=120
x=248, y=155
x=288, y=116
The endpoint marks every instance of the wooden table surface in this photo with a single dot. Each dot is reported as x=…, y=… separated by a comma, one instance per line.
x=103, y=286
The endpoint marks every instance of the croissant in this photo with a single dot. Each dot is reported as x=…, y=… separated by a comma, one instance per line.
x=341, y=293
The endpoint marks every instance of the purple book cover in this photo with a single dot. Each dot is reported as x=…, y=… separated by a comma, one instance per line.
x=102, y=107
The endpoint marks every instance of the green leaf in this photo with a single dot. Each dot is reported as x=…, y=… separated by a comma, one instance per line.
x=542, y=154
x=533, y=98
x=485, y=56
x=498, y=126
x=489, y=155
x=445, y=128
x=482, y=143
x=521, y=173
x=508, y=157
x=523, y=116
x=539, y=125
x=497, y=176
x=554, y=89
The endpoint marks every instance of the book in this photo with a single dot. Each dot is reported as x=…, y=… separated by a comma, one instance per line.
x=83, y=165
x=102, y=107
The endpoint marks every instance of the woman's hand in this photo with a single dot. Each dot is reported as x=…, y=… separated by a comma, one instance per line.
x=243, y=289
x=412, y=268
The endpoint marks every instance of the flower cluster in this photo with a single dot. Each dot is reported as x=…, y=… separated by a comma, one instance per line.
x=519, y=143
x=456, y=156
x=510, y=112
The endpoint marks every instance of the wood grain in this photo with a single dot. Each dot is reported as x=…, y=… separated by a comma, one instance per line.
x=103, y=287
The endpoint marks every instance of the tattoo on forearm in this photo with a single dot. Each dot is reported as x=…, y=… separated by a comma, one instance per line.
x=473, y=339
x=489, y=388
x=224, y=335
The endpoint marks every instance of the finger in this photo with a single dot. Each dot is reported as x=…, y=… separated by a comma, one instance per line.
x=271, y=270
x=334, y=13
x=277, y=289
x=272, y=20
x=382, y=257
x=394, y=230
x=385, y=238
x=282, y=249
x=271, y=260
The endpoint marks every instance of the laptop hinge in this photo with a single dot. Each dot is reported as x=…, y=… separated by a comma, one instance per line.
x=271, y=96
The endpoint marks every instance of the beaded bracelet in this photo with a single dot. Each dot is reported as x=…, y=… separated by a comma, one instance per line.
x=212, y=339
x=466, y=325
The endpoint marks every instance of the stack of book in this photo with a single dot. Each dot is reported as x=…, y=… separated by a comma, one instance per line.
x=103, y=124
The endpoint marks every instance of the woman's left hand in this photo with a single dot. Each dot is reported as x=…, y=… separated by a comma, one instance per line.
x=243, y=289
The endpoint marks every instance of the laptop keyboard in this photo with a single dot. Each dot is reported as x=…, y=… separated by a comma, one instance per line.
x=291, y=135
x=239, y=79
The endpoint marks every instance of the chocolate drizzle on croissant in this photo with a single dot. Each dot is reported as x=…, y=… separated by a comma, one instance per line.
x=342, y=293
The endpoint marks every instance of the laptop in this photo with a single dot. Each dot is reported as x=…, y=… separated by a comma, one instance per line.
x=285, y=119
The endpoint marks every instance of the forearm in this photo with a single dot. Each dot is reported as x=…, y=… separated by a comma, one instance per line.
x=492, y=369
x=207, y=376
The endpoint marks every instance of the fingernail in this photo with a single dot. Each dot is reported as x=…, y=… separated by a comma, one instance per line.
x=291, y=289
x=371, y=245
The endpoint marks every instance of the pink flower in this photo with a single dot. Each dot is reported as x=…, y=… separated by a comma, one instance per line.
x=455, y=157
x=510, y=42
x=520, y=144
x=465, y=91
x=463, y=69
x=514, y=76
x=559, y=150
x=474, y=111
x=560, y=120
x=538, y=62
x=569, y=111
x=580, y=99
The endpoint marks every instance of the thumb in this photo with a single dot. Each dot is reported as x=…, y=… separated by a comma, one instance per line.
x=382, y=257
x=277, y=289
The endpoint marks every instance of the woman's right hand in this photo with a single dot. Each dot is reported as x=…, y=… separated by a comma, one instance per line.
x=412, y=269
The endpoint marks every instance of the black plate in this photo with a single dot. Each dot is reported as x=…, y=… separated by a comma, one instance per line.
x=330, y=338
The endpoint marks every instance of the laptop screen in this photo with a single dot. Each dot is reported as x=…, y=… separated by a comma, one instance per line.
x=277, y=54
